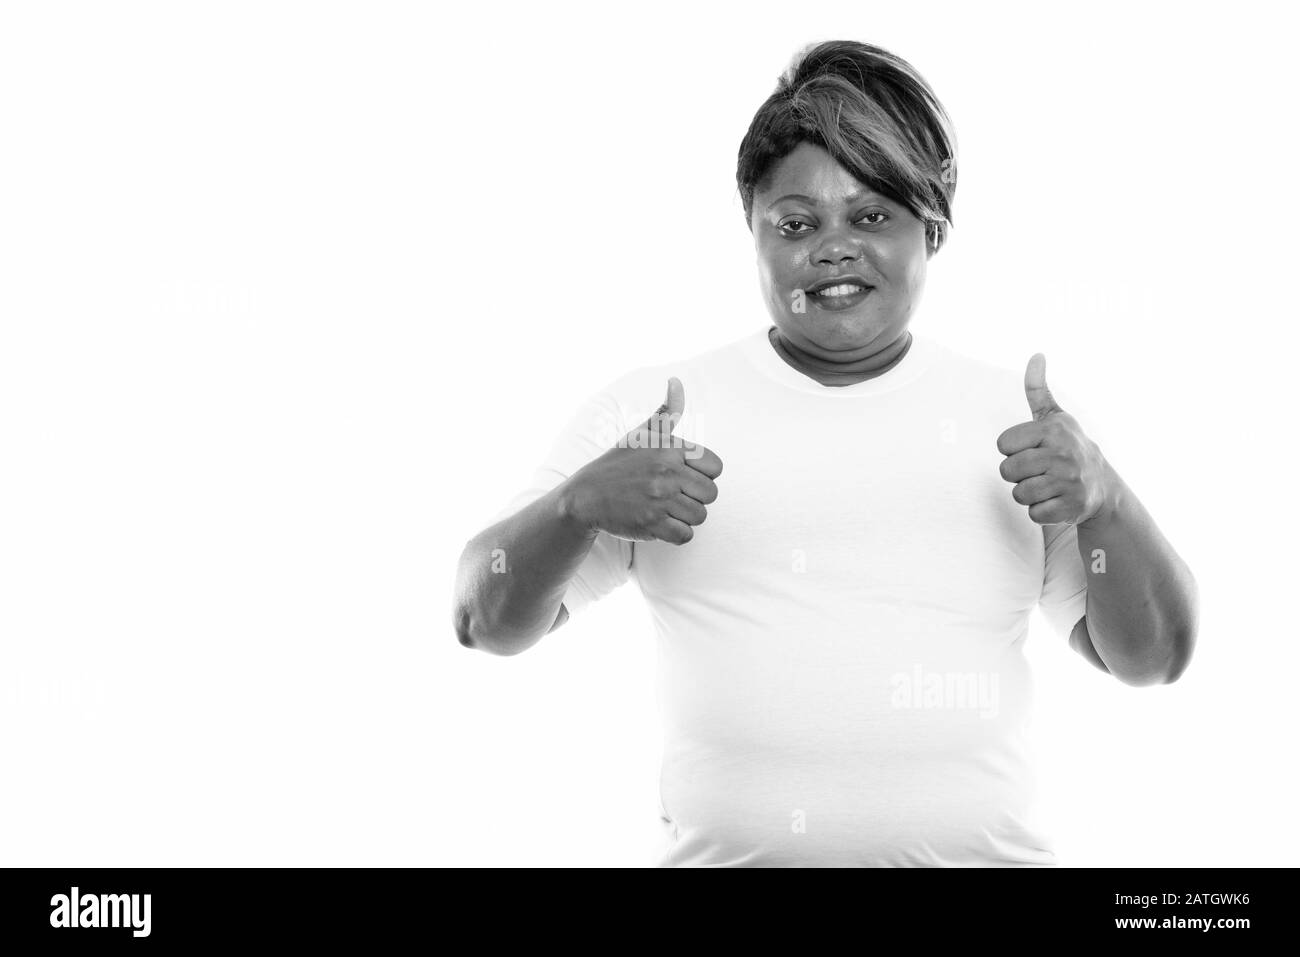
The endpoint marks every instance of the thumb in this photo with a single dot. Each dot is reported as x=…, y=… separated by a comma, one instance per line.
x=1041, y=403
x=656, y=431
x=674, y=405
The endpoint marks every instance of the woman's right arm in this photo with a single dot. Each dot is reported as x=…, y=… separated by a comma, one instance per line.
x=512, y=576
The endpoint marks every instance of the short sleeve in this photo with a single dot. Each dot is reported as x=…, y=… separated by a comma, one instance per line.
x=588, y=434
x=1064, y=598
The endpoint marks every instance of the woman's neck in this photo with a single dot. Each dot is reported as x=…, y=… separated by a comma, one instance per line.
x=840, y=373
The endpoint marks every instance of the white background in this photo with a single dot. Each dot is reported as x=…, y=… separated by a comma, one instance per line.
x=294, y=297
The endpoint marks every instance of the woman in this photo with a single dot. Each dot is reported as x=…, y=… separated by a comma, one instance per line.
x=841, y=618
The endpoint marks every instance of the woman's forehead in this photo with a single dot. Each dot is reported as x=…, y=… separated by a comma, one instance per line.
x=810, y=174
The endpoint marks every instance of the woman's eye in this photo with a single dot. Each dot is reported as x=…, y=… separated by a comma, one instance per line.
x=884, y=215
x=789, y=225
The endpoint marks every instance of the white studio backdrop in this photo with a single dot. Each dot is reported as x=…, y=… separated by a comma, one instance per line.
x=295, y=296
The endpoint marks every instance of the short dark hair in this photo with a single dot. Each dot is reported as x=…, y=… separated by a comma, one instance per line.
x=874, y=113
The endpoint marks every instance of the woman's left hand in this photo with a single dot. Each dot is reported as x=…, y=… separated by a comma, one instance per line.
x=1058, y=472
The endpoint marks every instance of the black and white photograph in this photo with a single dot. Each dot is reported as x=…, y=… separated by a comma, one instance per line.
x=581, y=436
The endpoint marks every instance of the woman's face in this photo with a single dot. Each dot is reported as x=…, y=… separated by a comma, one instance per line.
x=812, y=221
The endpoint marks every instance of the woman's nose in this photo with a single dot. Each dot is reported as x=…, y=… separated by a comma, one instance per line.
x=835, y=249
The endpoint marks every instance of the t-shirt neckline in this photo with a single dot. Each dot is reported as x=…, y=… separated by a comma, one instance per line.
x=763, y=356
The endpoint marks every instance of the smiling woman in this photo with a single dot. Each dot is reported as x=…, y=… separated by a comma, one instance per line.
x=847, y=176
x=863, y=540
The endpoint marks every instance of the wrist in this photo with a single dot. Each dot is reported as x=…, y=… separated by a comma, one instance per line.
x=1111, y=496
x=569, y=508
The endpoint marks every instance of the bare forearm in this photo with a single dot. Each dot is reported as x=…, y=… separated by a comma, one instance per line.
x=650, y=486
x=1142, y=597
x=512, y=576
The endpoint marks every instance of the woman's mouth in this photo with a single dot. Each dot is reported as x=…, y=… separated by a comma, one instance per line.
x=840, y=297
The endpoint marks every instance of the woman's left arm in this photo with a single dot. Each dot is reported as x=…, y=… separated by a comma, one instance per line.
x=1141, y=617
x=1142, y=598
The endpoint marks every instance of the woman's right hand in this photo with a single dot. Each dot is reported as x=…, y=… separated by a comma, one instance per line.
x=651, y=486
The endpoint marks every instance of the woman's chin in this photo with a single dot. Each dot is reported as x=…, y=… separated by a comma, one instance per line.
x=837, y=332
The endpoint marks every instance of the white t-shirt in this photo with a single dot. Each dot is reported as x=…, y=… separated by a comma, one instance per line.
x=841, y=671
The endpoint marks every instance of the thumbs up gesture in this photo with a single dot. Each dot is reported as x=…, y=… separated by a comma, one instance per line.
x=652, y=485
x=1058, y=472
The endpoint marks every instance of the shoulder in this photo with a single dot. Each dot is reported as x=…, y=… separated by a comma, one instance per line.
x=640, y=384
x=997, y=385
x=975, y=385
x=968, y=368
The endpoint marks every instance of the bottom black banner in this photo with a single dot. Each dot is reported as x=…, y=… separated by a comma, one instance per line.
x=187, y=906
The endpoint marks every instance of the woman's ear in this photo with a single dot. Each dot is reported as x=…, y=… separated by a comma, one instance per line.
x=933, y=233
